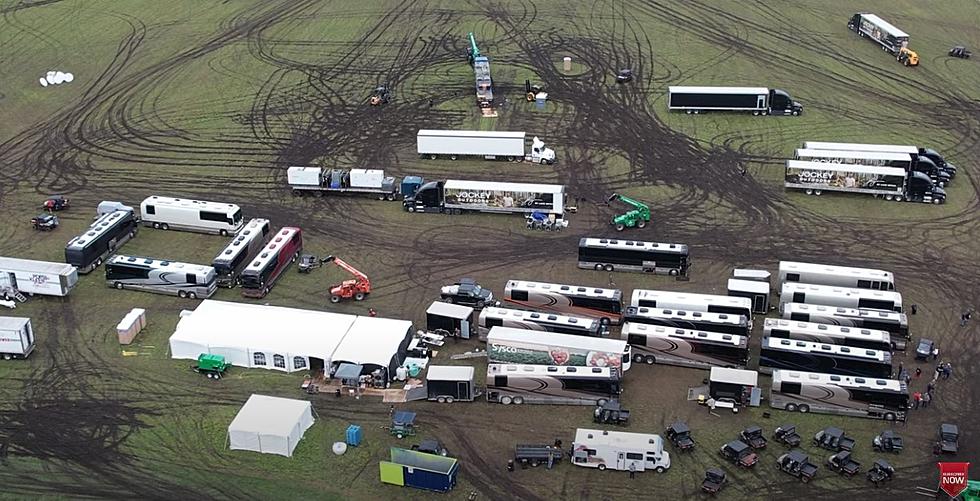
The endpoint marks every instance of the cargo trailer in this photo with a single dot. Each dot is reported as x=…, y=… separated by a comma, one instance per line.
x=887, y=36
x=489, y=145
x=420, y=470
x=450, y=383
x=758, y=100
x=877, y=158
x=456, y=197
x=929, y=153
x=36, y=277
x=16, y=337
x=890, y=183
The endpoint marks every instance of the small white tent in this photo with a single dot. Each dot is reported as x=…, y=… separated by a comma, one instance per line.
x=270, y=425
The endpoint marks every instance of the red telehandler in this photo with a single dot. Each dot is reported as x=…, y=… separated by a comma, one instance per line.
x=358, y=287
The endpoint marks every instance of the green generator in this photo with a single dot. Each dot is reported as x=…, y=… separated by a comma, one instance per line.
x=212, y=366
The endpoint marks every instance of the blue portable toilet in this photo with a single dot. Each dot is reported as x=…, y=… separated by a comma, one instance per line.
x=410, y=185
x=353, y=435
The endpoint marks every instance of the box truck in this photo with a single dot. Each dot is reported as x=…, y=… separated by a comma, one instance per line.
x=36, y=277
x=889, y=182
x=16, y=337
x=890, y=38
x=758, y=100
x=879, y=158
x=915, y=151
x=456, y=197
x=321, y=181
x=489, y=145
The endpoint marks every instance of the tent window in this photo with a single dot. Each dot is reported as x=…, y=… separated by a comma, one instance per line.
x=299, y=363
x=279, y=361
x=258, y=359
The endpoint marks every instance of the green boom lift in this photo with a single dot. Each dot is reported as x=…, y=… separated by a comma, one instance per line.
x=474, y=51
x=639, y=216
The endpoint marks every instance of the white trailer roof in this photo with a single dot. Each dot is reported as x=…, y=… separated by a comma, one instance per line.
x=450, y=373
x=856, y=168
x=13, y=323
x=12, y=263
x=820, y=145
x=753, y=286
x=618, y=438
x=863, y=155
x=884, y=25
x=682, y=89
x=190, y=204
x=372, y=340
x=735, y=376
x=472, y=133
x=252, y=327
x=747, y=274
x=450, y=310
x=455, y=184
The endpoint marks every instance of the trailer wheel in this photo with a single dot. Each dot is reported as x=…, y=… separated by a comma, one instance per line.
x=119, y=285
x=755, y=113
x=534, y=463
x=511, y=159
x=689, y=112
x=898, y=198
x=359, y=296
x=164, y=226
x=808, y=191
x=608, y=267
x=598, y=267
x=432, y=156
x=452, y=157
x=223, y=233
x=889, y=197
x=805, y=479
x=441, y=400
x=156, y=226
x=620, y=227
x=7, y=356
x=210, y=376
x=765, y=112
x=638, y=358
x=650, y=359
x=818, y=192
x=449, y=399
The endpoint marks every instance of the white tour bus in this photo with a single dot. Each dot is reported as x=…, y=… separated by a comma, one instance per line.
x=550, y=384
x=619, y=450
x=874, y=398
x=845, y=297
x=576, y=300
x=162, y=277
x=519, y=346
x=491, y=317
x=826, y=358
x=872, y=339
x=165, y=213
x=840, y=276
x=695, y=320
x=897, y=324
x=690, y=301
x=239, y=253
x=655, y=344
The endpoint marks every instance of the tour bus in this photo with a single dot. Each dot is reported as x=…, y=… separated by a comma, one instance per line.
x=872, y=339
x=840, y=276
x=629, y=255
x=695, y=320
x=827, y=358
x=575, y=300
x=793, y=391
x=619, y=450
x=273, y=260
x=519, y=346
x=106, y=235
x=491, y=317
x=548, y=384
x=690, y=301
x=160, y=276
x=655, y=344
x=164, y=213
x=845, y=297
x=897, y=324
x=240, y=251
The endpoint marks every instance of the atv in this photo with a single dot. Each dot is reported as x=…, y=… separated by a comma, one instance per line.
x=787, y=435
x=45, y=222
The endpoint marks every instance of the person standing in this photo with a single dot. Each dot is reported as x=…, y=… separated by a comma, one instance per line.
x=925, y=400
x=947, y=370
x=632, y=471
x=930, y=387
x=915, y=308
x=918, y=372
x=916, y=397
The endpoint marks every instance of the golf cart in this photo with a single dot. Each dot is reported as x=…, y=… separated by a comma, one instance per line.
x=960, y=52
x=925, y=349
x=880, y=471
x=679, y=434
x=843, y=463
x=431, y=447
x=45, y=222
x=714, y=480
x=753, y=436
x=887, y=441
x=738, y=452
x=402, y=424
x=797, y=463
x=833, y=439
x=56, y=202
x=611, y=413
x=624, y=75
x=787, y=435
x=212, y=366
x=949, y=439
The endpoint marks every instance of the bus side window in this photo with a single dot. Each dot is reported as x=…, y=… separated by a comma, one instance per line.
x=518, y=295
x=191, y=278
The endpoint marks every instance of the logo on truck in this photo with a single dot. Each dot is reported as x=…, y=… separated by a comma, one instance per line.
x=816, y=176
x=39, y=280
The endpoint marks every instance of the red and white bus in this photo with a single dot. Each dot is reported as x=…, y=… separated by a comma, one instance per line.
x=263, y=272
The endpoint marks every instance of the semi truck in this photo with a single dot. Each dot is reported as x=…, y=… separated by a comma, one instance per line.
x=321, y=181
x=36, y=277
x=892, y=183
x=880, y=158
x=16, y=337
x=758, y=100
x=456, y=197
x=915, y=151
x=890, y=38
x=489, y=145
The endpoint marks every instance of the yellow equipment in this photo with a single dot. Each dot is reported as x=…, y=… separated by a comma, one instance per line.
x=908, y=57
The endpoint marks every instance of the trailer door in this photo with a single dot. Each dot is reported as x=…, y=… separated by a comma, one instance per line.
x=621, y=461
x=463, y=390
x=760, y=102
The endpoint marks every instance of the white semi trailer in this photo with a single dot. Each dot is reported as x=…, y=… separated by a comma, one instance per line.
x=456, y=197
x=915, y=151
x=489, y=145
x=317, y=180
x=892, y=183
x=16, y=337
x=36, y=277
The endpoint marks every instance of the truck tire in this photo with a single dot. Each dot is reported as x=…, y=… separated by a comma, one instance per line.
x=620, y=227
x=661, y=469
x=899, y=198
x=818, y=192
x=156, y=226
x=602, y=467
x=791, y=407
x=598, y=267
x=335, y=299
x=119, y=285
x=795, y=113
x=808, y=191
x=7, y=356
x=937, y=201
x=641, y=224
x=804, y=408
x=452, y=157
x=638, y=358
x=650, y=359
x=432, y=156
x=506, y=400
x=359, y=296
x=223, y=233
x=410, y=208
x=511, y=159
x=608, y=267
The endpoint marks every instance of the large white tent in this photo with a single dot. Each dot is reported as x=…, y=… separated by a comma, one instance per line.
x=270, y=425
x=375, y=341
x=251, y=335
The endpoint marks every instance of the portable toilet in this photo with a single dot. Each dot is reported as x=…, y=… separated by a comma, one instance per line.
x=336, y=178
x=354, y=435
x=410, y=185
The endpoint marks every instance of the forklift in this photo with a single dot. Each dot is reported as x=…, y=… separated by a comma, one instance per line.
x=357, y=288
x=637, y=217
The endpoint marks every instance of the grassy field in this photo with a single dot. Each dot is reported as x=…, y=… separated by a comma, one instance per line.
x=214, y=100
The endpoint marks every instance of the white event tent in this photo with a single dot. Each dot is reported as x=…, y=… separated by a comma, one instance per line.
x=270, y=425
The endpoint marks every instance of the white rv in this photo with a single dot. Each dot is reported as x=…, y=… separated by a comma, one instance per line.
x=619, y=450
x=164, y=213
